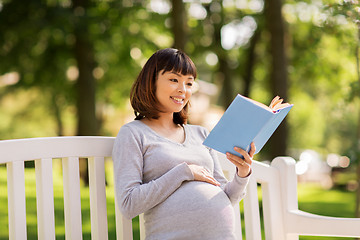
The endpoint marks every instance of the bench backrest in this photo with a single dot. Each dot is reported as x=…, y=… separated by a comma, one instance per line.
x=281, y=217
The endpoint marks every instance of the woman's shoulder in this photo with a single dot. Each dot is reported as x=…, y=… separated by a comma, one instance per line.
x=134, y=127
x=197, y=129
x=134, y=124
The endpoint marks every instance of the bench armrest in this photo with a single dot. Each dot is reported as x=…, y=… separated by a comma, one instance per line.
x=305, y=223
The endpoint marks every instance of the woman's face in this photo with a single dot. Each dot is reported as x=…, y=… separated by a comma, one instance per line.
x=173, y=90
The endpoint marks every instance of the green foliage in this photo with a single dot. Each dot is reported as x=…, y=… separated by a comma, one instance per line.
x=354, y=91
x=322, y=72
x=37, y=41
x=348, y=8
x=301, y=119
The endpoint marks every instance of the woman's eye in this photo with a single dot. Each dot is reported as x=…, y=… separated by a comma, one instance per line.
x=173, y=80
x=190, y=84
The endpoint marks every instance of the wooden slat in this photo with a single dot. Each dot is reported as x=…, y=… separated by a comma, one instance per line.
x=273, y=211
x=303, y=223
x=16, y=200
x=45, y=199
x=98, y=213
x=238, y=230
x=72, y=201
x=123, y=225
x=251, y=211
x=273, y=205
x=142, y=226
x=55, y=147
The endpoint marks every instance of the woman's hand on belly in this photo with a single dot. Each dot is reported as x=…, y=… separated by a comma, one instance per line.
x=203, y=175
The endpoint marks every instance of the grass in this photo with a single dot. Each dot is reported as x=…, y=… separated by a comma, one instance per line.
x=312, y=198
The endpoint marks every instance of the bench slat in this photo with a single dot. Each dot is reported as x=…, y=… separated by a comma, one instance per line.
x=251, y=212
x=238, y=230
x=123, y=225
x=16, y=200
x=142, y=226
x=55, y=147
x=99, y=225
x=45, y=199
x=72, y=201
x=272, y=208
x=302, y=223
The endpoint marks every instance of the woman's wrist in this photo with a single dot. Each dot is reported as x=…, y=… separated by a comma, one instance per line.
x=244, y=175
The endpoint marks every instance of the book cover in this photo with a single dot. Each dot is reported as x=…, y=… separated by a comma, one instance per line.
x=246, y=121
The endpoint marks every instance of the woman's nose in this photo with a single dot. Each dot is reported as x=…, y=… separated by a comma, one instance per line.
x=181, y=88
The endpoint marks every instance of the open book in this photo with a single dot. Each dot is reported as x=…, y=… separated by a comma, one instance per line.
x=246, y=121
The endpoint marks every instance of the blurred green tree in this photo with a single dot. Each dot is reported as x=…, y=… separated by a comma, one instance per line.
x=56, y=46
x=179, y=24
x=278, y=70
x=70, y=49
x=351, y=10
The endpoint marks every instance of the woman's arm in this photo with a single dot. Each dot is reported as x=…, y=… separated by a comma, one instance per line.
x=234, y=189
x=134, y=196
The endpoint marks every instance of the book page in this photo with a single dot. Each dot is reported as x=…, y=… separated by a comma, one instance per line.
x=259, y=104
x=277, y=104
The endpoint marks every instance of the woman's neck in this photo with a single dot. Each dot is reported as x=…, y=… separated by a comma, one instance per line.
x=163, y=122
x=167, y=128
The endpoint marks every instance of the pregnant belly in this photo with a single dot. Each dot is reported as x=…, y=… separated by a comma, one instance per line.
x=196, y=208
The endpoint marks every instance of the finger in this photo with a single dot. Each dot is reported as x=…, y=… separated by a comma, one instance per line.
x=252, y=149
x=238, y=161
x=245, y=154
x=238, y=164
x=273, y=101
x=205, y=171
x=277, y=104
x=207, y=177
x=212, y=180
x=279, y=101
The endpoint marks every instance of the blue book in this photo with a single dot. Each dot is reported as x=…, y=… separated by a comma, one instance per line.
x=247, y=121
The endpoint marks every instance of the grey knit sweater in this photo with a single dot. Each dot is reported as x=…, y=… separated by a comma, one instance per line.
x=152, y=177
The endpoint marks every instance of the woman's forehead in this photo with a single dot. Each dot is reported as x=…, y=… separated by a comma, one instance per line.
x=180, y=74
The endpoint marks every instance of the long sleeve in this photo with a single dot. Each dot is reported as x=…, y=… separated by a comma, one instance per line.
x=234, y=189
x=152, y=176
x=134, y=196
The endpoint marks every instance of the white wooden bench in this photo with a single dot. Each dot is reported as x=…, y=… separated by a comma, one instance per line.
x=281, y=216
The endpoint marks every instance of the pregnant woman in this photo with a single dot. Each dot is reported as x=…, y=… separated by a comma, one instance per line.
x=161, y=167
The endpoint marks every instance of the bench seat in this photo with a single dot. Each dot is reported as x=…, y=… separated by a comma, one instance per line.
x=281, y=217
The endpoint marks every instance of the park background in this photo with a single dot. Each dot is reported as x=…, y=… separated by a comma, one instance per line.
x=66, y=68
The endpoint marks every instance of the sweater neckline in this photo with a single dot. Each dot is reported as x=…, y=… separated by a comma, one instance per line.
x=165, y=138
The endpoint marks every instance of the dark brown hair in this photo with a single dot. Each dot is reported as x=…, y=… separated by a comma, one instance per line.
x=142, y=96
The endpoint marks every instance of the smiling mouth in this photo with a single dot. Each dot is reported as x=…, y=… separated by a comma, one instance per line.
x=178, y=100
